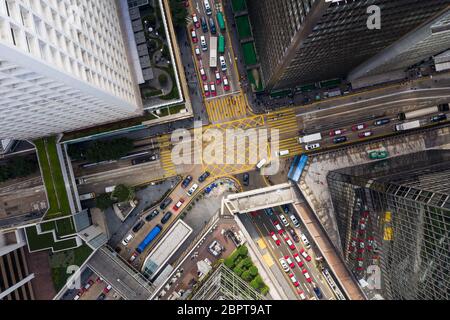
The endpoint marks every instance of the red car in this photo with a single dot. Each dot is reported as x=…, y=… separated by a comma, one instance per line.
x=278, y=227
x=99, y=280
x=195, y=20
x=305, y=255
x=299, y=261
x=218, y=78
x=275, y=238
x=178, y=204
x=198, y=54
x=337, y=132
x=360, y=126
x=365, y=134
x=289, y=262
x=206, y=90
x=194, y=36
x=226, y=84
x=289, y=243
x=203, y=74
x=213, y=89
x=294, y=280
x=107, y=289
x=306, y=274
x=301, y=294
x=254, y=213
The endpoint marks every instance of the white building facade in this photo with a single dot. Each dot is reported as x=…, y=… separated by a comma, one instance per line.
x=63, y=66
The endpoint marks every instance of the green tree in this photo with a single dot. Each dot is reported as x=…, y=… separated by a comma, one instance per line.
x=104, y=201
x=238, y=270
x=243, y=251
x=162, y=78
x=179, y=13
x=246, y=263
x=122, y=193
x=246, y=276
x=253, y=271
x=257, y=282
x=229, y=262
x=264, y=290
x=108, y=150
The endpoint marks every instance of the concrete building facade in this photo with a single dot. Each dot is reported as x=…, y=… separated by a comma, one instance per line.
x=63, y=66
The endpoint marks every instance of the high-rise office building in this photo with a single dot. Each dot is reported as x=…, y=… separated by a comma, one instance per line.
x=395, y=214
x=63, y=66
x=304, y=41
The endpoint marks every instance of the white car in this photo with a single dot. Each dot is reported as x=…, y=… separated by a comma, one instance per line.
x=223, y=65
x=203, y=43
x=313, y=146
x=289, y=262
x=294, y=221
x=284, y=265
x=284, y=220
x=192, y=189
x=127, y=239
x=305, y=241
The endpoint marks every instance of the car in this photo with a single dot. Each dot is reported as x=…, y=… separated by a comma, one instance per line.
x=378, y=154
x=305, y=255
x=165, y=203
x=284, y=220
x=305, y=240
x=299, y=261
x=246, y=179
x=223, y=65
x=278, y=227
x=301, y=294
x=192, y=189
x=306, y=274
x=365, y=134
x=195, y=20
x=107, y=289
x=212, y=25
x=284, y=265
x=317, y=291
x=204, y=24
x=275, y=238
x=289, y=262
x=340, y=139
x=166, y=217
x=77, y=296
x=204, y=176
x=206, y=90
x=138, y=226
x=439, y=117
x=370, y=241
x=381, y=122
x=203, y=74
x=127, y=239
x=194, y=36
x=269, y=211
x=198, y=53
x=102, y=296
x=213, y=89
x=133, y=257
x=99, y=280
x=294, y=280
x=360, y=126
x=286, y=209
x=226, y=84
x=289, y=243
x=337, y=132
x=294, y=221
x=186, y=182
x=294, y=235
x=218, y=78
x=144, y=159
x=203, y=43
x=178, y=204
x=312, y=146
x=254, y=214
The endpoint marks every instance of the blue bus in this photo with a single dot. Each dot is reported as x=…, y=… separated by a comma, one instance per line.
x=149, y=238
x=297, y=167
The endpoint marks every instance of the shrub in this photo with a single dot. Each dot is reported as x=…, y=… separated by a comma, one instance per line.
x=247, y=263
x=264, y=290
x=253, y=271
x=229, y=262
x=103, y=201
x=246, y=276
x=243, y=251
x=238, y=271
x=123, y=193
x=258, y=282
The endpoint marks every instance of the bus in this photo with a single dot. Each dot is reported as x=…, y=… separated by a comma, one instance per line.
x=149, y=238
x=221, y=48
x=213, y=52
x=220, y=21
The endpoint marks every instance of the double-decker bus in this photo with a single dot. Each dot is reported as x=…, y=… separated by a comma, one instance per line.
x=221, y=21
x=221, y=47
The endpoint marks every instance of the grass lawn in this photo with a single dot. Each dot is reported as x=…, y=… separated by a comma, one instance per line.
x=243, y=26
x=249, y=53
x=62, y=227
x=238, y=5
x=176, y=109
x=45, y=241
x=59, y=262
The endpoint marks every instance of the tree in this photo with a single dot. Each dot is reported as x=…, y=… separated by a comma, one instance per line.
x=246, y=276
x=104, y=201
x=257, y=282
x=108, y=150
x=179, y=13
x=238, y=270
x=162, y=78
x=243, y=251
x=253, y=271
x=264, y=290
x=229, y=262
x=246, y=263
x=122, y=193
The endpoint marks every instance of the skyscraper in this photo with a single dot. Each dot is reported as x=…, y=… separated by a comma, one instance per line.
x=304, y=41
x=62, y=67
x=395, y=214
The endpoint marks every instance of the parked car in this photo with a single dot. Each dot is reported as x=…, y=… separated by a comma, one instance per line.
x=138, y=226
x=289, y=243
x=212, y=25
x=186, y=181
x=133, y=257
x=166, y=217
x=278, y=227
x=213, y=88
x=203, y=43
x=294, y=280
x=204, y=24
x=198, y=53
x=151, y=215
x=305, y=255
x=127, y=239
x=107, y=289
x=223, y=64
x=301, y=294
x=305, y=240
x=294, y=235
x=165, y=203
x=192, y=189
x=307, y=276
x=284, y=265
x=439, y=117
x=289, y=262
x=360, y=126
x=178, y=204
x=226, y=84
x=246, y=179
x=286, y=209
x=299, y=261
x=194, y=36
x=284, y=220
x=204, y=176
x=294, y=221
x=195, y=21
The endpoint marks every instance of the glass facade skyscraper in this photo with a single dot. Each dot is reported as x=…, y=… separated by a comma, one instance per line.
x=395, y=214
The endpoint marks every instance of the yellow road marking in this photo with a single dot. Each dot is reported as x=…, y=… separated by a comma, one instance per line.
x=268, y=259
x=261, y=243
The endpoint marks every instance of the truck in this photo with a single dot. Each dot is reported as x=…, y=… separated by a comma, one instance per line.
x=407, y=125
x=310, y=138
x=110, y=189
x=213, y=52
x=149, y=238
x=87, y=196
x=422, y=112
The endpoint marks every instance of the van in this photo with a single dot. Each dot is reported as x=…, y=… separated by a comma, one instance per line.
x=192, y=189
x=283, y=152
x=127, y=239
x=166, y=217
x=294, y=221
x=223, y=65
x=203, y=43
x=207, y=7
x=87, y=196
x=212, y=25
x=305, y=241
x=284, y=220
x=261, y=163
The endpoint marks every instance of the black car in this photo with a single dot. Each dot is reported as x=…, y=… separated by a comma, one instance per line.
x=204, y=176
x=246, y=179
x=143, y=159
x=101, y=297
x=318, y=292
x=286, y=209
x=151, y=215
x=138, y=226
x=294, y=235
x=186, y=181
x=212, y=26
x=439, y=117
x=381, y=122
x=165, y=203
x=166, y=217
x=340, y=139
x=204, y=24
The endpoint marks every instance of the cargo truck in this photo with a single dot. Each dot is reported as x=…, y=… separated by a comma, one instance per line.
x=310, y=138
x=407, y=125
x=213, y=52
